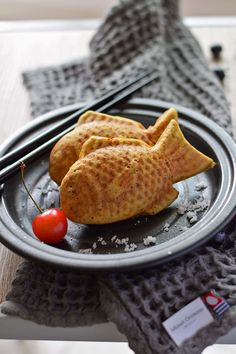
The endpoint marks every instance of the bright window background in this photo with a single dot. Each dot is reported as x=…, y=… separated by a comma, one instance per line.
x=75, y=9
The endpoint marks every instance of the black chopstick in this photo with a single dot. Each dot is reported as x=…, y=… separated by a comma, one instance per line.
x=102, y=105
x=67, y=122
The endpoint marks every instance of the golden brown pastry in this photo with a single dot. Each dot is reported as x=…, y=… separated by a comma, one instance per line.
x=116, y=179
x=67, y=149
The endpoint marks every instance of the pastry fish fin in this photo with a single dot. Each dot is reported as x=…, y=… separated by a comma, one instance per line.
x=92, y=116
x=163, y=203
x=155, y=131
x=185, y=161
x=98, y=142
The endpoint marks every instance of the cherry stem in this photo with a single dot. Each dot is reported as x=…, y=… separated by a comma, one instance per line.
x=22, y=168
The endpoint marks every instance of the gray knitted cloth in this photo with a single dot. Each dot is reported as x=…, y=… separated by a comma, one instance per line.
x=136, y=35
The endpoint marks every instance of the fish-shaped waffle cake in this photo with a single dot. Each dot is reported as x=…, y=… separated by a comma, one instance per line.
x=67, y=149
x=116, y=179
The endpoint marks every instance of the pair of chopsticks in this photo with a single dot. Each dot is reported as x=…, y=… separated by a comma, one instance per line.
x=34, y=148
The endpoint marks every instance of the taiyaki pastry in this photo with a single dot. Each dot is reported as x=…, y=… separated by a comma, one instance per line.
x=67, y=149
x=119, y=178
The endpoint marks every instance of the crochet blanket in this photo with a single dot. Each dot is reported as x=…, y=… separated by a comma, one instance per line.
x=135, y=36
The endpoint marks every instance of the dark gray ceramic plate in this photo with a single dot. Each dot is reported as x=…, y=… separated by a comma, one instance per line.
x=175, y=235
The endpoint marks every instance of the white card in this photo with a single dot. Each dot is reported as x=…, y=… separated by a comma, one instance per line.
x=187, y=321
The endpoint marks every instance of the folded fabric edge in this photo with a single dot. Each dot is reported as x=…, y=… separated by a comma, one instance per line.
x=219, y=328
x=118, y=314
x=11, y=308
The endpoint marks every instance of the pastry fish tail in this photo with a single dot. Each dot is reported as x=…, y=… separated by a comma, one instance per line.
x=154, y=132
x=185, y=160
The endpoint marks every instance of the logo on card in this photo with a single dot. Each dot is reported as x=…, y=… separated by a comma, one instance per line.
x=216, y=303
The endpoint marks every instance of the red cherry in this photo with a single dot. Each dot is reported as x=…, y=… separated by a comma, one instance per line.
x=50, y=226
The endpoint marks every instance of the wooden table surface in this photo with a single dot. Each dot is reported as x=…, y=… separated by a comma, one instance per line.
x=21, y=51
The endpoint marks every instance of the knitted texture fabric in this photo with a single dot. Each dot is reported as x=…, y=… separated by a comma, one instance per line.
x=137, y=35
